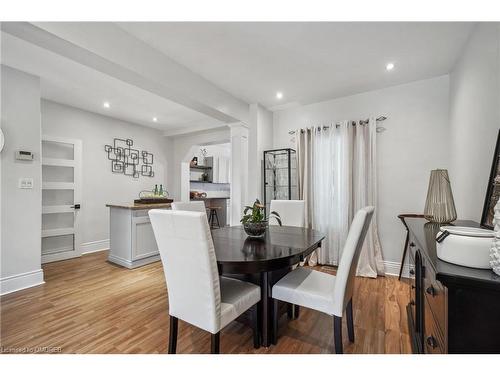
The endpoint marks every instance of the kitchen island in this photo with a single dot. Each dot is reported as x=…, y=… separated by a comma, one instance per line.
x=132, y=241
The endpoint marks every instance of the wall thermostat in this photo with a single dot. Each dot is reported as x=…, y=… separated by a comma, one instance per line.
x=24, y=155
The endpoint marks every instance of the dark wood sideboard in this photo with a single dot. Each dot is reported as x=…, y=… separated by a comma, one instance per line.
x=452, y=309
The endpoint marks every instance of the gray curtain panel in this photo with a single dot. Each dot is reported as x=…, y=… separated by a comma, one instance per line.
x=337, y=176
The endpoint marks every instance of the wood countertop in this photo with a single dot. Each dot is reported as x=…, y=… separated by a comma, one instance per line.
x=139, y=206
x=208, y=198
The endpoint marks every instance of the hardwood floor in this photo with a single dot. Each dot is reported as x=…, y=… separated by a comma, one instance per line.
x=88, y=305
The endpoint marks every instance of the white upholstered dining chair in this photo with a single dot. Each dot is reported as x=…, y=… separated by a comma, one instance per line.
x=197, y=206
x=196, y=293
x=324, y=292
x=292, y=212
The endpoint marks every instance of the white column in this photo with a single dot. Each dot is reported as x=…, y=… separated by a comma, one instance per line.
x=239, y=170
x=260, y=138
x=254, y=169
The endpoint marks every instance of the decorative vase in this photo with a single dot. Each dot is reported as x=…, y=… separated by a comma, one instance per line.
x=255, y=229
x=495, y=246
x=439, y=206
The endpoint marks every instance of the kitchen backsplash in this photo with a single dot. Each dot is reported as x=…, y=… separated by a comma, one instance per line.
x=207, y=187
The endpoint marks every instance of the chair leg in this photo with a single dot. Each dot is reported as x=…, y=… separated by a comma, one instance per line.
x=275, y=320
x=292, y=311
x=296, y=311
x=350, y=321
x=215, y=343
x=255, y=326
x=172, y=338
x=217, y=218
x=211, y=219
x=337, y=334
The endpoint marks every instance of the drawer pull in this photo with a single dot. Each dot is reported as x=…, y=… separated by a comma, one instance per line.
x=431, y=291
x=412, y=244
x=431, y=341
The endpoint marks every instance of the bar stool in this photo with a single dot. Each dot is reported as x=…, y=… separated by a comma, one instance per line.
x=213, y=217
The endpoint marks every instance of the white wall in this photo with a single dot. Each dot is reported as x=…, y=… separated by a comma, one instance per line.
x=21, y=209
x=415, y=142
x=181, y=145
x=474, y=118
x=100, y=185
x=260, y=138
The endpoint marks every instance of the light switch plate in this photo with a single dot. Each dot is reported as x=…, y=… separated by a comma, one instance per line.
x=25, y=183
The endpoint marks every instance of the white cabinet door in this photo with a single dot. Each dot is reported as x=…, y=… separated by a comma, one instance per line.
x=143, y=238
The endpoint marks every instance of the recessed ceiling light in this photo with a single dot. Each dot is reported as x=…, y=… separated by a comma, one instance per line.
x=155, y=119
x=279, y=95
x=106, y=105
x=389, y=66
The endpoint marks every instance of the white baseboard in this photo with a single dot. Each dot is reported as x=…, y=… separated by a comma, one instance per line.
x=392, y=269
x=95, y=246
x=21, y=281
x=135, y=263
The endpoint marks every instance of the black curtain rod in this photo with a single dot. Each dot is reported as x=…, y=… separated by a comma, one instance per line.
x=353, y=123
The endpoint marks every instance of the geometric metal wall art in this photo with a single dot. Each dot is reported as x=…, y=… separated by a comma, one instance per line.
x=129, y=161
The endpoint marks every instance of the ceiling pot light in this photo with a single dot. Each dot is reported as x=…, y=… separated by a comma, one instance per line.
x=155, y=119
x=389, y=66
x=279, y=95
x=106, y=105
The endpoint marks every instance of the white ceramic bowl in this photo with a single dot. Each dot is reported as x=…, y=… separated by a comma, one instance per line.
x=465, y=246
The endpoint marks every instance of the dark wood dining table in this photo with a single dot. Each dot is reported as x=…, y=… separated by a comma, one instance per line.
x=264, y=260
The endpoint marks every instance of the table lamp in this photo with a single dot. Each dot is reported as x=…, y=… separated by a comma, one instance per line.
x=439, y=206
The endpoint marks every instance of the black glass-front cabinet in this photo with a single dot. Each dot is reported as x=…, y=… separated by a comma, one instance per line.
x=280, y=175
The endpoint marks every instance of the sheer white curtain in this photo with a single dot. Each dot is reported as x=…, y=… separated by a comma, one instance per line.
x=337, y=176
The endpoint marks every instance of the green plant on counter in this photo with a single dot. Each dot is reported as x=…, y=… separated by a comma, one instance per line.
x=257, y=214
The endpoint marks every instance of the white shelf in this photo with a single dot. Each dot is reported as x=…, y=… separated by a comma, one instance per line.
x=57, y=209
x=58, y=185
x=57, y=232
x=58, y=162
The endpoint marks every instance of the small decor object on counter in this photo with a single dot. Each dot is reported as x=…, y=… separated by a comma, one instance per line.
x=493, y=190
x=194, y=162
x=439, y=206
x=157, y=195
x=193, y=194
x=495, y=246
x=255, y=223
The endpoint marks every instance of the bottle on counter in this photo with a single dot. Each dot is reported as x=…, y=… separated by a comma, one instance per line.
x=156, y=190
x=161, y=190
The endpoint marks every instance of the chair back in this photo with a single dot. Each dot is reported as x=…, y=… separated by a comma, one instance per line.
x=292, y=212
x=346, y=272
x=197, y=206
x=188, y=257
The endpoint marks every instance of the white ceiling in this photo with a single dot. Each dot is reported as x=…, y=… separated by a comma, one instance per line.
x=67, y=82
x=308, y=62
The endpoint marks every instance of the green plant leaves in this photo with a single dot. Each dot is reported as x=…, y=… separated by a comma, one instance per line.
x=257, y=214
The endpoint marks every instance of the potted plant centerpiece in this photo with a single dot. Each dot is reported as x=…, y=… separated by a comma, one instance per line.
x=254, y=220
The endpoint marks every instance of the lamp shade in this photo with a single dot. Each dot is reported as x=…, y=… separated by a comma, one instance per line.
x=439, y=206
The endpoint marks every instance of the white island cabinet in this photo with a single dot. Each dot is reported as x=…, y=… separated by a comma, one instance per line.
x=132, y=241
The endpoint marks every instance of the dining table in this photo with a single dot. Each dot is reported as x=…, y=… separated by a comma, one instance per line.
x=263, y=260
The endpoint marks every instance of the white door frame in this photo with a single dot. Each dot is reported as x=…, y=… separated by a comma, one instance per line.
x=76, y=186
